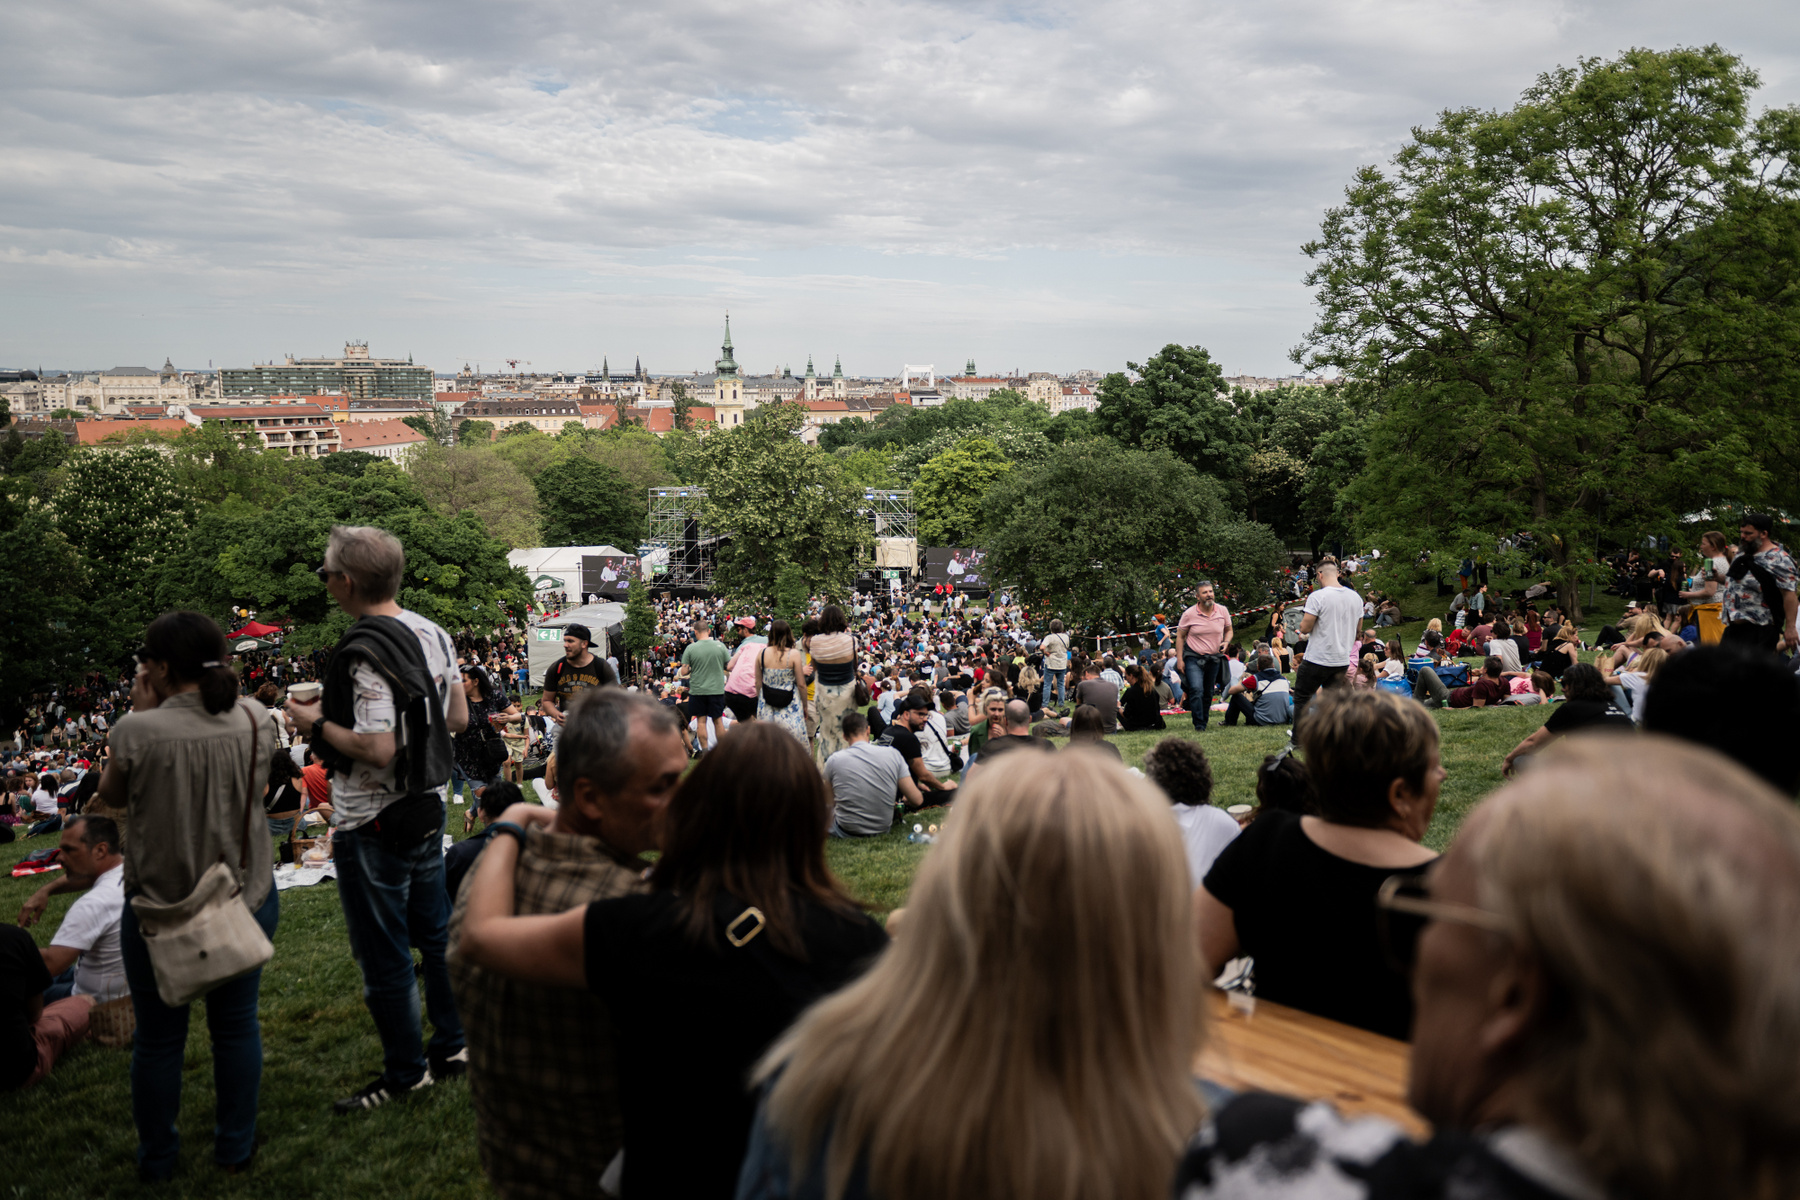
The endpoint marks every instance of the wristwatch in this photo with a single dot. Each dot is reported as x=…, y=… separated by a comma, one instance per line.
x=318, y=731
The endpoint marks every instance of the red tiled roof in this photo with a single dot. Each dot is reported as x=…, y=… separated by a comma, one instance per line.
x=87, y=433
x=240, y=412
x=365, y=434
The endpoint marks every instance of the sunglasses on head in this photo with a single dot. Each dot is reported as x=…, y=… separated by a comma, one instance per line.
x=1403, y=907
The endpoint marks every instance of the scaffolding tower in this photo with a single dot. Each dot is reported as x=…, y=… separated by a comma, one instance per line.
x=890, y=513
x=678, y=524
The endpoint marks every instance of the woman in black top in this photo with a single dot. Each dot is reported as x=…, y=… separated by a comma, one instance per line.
x=1297, y=893
x=744, y=926
x=1139, y=706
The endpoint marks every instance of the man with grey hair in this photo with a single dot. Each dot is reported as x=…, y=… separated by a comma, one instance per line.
x=541, y=1071
x=393, y=697
x=1201, y=636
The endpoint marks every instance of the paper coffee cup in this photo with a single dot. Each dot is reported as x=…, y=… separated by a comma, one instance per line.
x=1240, y=810
x=305, y=693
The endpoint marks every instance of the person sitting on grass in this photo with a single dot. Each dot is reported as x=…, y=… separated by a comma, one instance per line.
x=1529, y=687
x=1087, y=728
x=866, y=781
x=1603, y=964
x=1433, y=626
x=1140, y=707
x=1485, y=690
x=1297, y=893
x=1586, y=705
x=1019, y=734
x=1099, y=695
x=743, y=928
x=1031, y=1029
x=492, y=799
x=1261, y=697
x=1180, y=768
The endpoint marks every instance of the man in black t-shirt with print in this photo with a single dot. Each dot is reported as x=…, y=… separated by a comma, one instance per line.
x=910, y=716
x=574, y=673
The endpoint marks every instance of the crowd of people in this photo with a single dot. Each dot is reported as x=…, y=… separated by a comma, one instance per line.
x=656, y=986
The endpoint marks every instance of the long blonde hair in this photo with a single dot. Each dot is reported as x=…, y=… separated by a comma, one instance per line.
x=1659, y=888
x=1031, y=1033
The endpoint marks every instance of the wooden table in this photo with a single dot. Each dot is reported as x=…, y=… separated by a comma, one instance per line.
x=1281, y=1049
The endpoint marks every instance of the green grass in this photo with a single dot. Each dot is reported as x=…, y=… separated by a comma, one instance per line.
x=73, y=1135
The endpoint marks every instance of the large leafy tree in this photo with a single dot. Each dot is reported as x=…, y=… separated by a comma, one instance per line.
x=1580, y=316
x=947, y=494
x=51, y=631
x=1178, y=403
x=780, y=503
x=125, y=514
x=477, y=479
x=585, y=503
x=1106, y=534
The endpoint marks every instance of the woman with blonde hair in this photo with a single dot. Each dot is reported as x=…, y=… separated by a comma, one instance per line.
x=1030, y=1034
x=1435, y=625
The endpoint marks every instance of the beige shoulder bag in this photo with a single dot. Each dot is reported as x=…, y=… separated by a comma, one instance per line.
x=209, y=937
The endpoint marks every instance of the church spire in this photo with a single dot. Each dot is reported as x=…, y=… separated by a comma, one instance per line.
x=809, y=367
x=638, y=372
x=727, y=365
x=605, y=369
x=837, y=368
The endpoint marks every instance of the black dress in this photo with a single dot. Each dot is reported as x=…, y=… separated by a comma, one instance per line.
x=1308, y=919
x=692, y=1018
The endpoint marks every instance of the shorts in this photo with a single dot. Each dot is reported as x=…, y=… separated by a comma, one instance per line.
x=743, y=708
x=706, y=706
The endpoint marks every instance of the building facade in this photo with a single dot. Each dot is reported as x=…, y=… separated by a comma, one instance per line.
x=302, y=430
x=546, y=415
x=395, y=441
x=356, y=375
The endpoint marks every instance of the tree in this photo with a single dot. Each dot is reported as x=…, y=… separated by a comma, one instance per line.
x=477, y=479
x=585, y=503
x=791, y=593
x=518, y=429
x=1012, y=442
x=1577, y=316
x=349, y=463
x=65, y=414
x=780, y=502
x=640, y=619
x=471, y=430
x=1177, y=404
x=1106, y=535
x=865, y=468
x=684, y=406
x=49, y=634
x=947, y=494
x=217, y=461
x=434, y=425
x=124, y=513
x=634, y=452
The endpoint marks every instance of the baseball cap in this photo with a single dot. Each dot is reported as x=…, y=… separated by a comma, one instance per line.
x=914, y=702
x=578, y=631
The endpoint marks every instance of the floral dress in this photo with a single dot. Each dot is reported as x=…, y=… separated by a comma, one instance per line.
x=792, y=718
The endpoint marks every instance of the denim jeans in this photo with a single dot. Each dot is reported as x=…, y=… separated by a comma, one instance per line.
x=1058, y=676
x=1176, y=691
x=1205, y=674
x=61, y=987
x=393, y=901
x=161, y=1044
x=47, y=825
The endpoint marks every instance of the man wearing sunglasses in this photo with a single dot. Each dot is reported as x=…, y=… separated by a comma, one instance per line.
x=1603, y=975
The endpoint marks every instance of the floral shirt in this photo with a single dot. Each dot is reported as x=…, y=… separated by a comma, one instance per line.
x=1744, y=600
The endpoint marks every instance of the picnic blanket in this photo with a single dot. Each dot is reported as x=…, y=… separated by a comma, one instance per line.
x=290, y=876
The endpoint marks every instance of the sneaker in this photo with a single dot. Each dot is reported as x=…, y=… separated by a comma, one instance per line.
x=450, y=1066
x=375, y=1094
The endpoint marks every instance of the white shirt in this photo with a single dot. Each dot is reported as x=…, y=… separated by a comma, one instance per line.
x=936, y=754
x=1339, y=611
x=44, y=803
x=92, y=927
x=1205, y=831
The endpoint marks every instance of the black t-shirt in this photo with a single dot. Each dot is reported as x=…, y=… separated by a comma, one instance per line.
x=1012, y=741
x=902, y=739
x=565, y=680
x=23, y=975
x=1572, y=715
x=693, y=1018
x=1308, y=918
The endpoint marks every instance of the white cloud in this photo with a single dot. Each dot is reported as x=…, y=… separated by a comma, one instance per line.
x=1059, y=184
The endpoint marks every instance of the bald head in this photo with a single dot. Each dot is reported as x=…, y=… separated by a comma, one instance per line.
x=1018, y=717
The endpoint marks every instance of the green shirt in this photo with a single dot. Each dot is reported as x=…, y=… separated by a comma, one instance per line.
x=705, y=661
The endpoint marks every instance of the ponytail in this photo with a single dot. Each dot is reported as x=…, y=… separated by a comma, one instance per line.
x=192, y=646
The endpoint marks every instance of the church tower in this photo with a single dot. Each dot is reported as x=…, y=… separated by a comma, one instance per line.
x=728, y=384
x=839, y=388
x=811, y=383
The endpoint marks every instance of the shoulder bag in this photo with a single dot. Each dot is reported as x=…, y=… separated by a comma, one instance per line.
x=956, y=760
x=774, y=697
x=210, y=937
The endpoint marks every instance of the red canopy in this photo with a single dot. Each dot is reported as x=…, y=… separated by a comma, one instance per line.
x=257, y=629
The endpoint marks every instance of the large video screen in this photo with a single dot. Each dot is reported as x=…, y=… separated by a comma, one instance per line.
x=958, y=566
x=607, y=576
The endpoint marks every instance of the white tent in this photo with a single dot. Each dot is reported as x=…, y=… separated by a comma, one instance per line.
x=543, y=641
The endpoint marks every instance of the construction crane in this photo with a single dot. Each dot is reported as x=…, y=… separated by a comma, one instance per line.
x=514, y=363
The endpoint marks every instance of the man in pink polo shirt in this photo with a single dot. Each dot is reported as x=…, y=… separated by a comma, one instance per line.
x=1202, y=635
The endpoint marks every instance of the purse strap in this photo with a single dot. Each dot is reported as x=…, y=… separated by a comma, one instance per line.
x=249, y=794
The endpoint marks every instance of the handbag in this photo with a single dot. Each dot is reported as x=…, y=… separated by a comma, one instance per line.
x=209, y=937
x=776, y=697
x=956, y=760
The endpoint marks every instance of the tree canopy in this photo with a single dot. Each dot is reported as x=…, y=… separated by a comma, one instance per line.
x=1578, y=316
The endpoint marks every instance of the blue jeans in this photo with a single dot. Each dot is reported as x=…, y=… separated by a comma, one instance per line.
x=61, y=987
x=47, y=825
x=1205, y=674
x=1059, y=677
x=161, y=1044
x=393, y=901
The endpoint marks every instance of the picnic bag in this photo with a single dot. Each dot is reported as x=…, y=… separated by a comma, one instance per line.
x=1453, y=675
x=209, y=937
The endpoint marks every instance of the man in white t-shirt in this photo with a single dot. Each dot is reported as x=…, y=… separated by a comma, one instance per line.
x=1180, y=768
x=1332, y=623
x=83, y=956
x=393, y=707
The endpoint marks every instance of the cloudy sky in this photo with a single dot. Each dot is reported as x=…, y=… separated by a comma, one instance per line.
x=1034, y=185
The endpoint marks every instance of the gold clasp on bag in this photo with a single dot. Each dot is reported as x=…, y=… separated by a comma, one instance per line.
x=731, y=930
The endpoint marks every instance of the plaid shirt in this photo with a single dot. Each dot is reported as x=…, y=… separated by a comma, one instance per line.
x=541, y=1067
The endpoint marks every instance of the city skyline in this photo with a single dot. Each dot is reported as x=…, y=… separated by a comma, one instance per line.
x=1039, y=186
